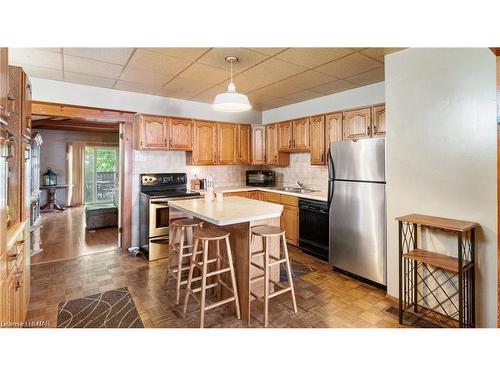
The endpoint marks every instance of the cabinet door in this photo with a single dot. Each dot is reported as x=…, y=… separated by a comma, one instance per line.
x=154, y=133
x=357, y=124
x=301, y=134
x=26, y=273
x=181, y=134
x=258, y=145
x=26, y=121
x=253, y=194
x=285, y=136
x=333, y=123
x=317, y=136
x=244, y=144
x=261, y=195
x=4, y=85
x=290, y=223
x=227, y=142
x=378, y=126
x=205, y=143
x=272, y=144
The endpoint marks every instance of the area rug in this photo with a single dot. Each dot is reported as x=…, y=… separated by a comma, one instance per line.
x=413, y=320
x=298, y=270
x=111, y=309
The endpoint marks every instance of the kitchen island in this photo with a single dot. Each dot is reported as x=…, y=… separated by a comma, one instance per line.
x=237, y=216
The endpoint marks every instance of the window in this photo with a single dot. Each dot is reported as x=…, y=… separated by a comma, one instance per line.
x=101, y=174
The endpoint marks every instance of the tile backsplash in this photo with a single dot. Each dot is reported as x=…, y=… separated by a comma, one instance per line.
x=300, y=168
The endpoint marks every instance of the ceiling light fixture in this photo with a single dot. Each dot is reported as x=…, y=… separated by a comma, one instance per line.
x=231, y=100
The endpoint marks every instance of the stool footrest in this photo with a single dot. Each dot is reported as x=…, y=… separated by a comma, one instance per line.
x=196, y=290
x=281, y=291
x=223, y=283
x=258, y=254
x=219, y=303
x=218, y=272
x=256, y=278
x=257, y=266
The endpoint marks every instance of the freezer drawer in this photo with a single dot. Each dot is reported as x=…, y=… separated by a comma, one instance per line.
x=358, y=229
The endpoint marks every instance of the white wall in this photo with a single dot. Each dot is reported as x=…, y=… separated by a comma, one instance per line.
x=361, y=96
x=441, y=152
x=53, y=152
x=72, y=93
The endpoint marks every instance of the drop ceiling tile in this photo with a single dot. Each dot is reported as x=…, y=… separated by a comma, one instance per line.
x=277, y=90
x=35, y=57
x=157, y=62
x=349, y=66
x=112, y=55
x=267, y=51
x=137, y=87
x=183, y=53
x=264, y=100
x=205, y=73
x=246, y=58
x=208, y=96
x=246, y=83
x=312, y=57
x=46, y=73
x=335, y=86
x=89, y=80
x=308, y=79
x=274, y=70
x=302, y=95
x=91, y=67
x=373, y=76
x=379, y=53
x=183, y=88
x=143, y=76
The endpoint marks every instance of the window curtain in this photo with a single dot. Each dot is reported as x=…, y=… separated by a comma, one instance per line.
x=76, y=176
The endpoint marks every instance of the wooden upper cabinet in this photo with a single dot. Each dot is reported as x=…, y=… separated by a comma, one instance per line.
x=317, y=136
x=244, y=144
x=258, y=145
x=153, y=133
x=378, y=121
x=181, y=134
x=26, y=129
x=285, y=136
x=204, y=143
x=272, y=144
x=4, y=85
x=357, y=124
x=300, y=133
x=333, y=123
x=227, y=143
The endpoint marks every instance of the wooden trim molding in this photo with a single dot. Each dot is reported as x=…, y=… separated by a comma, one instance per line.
x=125, y=119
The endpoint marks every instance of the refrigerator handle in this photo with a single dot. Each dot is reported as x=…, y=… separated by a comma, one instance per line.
x=330, y=192
x=331, y=172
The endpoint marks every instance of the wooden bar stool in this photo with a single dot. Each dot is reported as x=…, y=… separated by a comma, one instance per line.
x=175, y=264
x=205, y=236
x=266, y=232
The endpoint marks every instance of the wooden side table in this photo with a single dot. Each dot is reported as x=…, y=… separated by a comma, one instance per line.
x=432, y=285
x=51, y=197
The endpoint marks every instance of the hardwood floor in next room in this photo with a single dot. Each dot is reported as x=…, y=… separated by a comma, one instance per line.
x=64, y=236
x=324, y=298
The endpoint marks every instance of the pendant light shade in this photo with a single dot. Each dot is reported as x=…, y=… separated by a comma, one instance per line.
x=231, y=100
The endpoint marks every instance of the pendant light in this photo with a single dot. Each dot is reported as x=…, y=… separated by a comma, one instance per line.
x=231, y=100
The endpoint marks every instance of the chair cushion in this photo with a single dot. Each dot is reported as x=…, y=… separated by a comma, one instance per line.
x=101, y=216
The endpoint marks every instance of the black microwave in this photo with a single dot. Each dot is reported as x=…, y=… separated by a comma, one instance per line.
x=261, y=178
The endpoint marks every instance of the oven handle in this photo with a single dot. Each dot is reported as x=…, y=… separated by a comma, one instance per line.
x=321, y=211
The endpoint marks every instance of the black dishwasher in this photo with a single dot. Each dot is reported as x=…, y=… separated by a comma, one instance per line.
x=313, y=227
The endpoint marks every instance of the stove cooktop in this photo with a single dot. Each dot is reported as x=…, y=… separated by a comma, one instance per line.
x=171, y=193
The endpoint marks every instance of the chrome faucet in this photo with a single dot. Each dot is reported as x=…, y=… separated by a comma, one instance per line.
x=301, y=184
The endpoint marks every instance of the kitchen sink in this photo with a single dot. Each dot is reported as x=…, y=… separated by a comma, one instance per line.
x=297, y=190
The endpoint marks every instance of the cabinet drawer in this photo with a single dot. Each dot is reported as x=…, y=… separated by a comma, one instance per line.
x=290, y=200
x=273, y=197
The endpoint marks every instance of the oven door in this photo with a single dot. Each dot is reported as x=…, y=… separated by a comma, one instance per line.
x=159, y=217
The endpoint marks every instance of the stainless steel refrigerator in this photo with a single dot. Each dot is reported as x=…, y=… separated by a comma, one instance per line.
x=357, y=208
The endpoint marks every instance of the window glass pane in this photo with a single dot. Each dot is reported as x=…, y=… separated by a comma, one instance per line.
x=89, y=174
x=106, y=175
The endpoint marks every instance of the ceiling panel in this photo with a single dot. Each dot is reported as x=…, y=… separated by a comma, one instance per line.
x=143, y=76
x=274, y=70
x=379, y=53
x=35, y=57
x=85, y=79
x=183, y=53
x=308, y=79
x=157, y=62
x=40, y=72
x=302, y=95
x=183, y=88
x=335, y=86
x=268, y=51
x=349, y=66
x=278, y=90
x=246, y=83
x=205, y=73
x=312, y=57
x=118, y=56
x=92, y=67
x=372, y=76
x=208, y=96
x=246, y=58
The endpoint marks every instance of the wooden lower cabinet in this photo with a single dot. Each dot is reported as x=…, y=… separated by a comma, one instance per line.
x=290, y=223
x=253, y=194
x=244, y=194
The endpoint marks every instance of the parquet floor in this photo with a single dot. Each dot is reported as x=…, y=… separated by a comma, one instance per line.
x=324, y=298
x=64, y=236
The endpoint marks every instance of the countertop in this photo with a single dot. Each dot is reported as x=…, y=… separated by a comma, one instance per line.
x=231, y=210
x=317, y=195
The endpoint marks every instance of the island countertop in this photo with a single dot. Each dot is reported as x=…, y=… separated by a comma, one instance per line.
x=231, y=210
